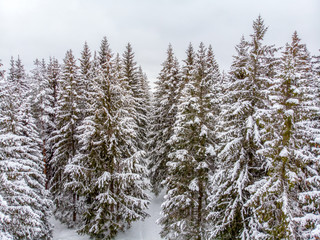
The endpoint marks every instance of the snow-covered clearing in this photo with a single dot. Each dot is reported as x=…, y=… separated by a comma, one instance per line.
x=143, y=230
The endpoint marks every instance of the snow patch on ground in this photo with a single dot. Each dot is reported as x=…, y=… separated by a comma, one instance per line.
x=61, y=232
x=142, y=230
x=147, y=229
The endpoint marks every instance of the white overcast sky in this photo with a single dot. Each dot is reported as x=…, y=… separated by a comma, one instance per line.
x=43, y=28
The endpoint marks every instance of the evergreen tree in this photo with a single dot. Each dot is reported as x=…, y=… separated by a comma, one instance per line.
x=65, y=140
x=241, y=167
x=86, y=76
x=289, y=200
x=164, y=115
x=4, y=215
x=188, y=68
x=53, y=75
x=231, y=177
x=145, y=109
x=192, y=158
x=134, y=79
x=104, y=54
x=109, y=171
x=42, y=109
x=22, y=188
x=17, y=78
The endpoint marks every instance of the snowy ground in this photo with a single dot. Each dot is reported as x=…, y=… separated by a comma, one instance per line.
x=145, y=230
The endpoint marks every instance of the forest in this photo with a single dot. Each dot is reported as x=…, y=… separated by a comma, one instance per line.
x=237, y=153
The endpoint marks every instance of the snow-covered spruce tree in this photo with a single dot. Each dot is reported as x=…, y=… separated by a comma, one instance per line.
x=109, y=171
x=164, y=115
x=42, y=107
x=17, y=78
x=188, y=67
x=289, y=201
x=22, y=186
x=53, y=75
x=227, y=213
x=65, y=139
x=86, y=76
x=144, y=109
x=135, y=80
x=4, y=215
x=240, y=166
x=146, y=93
x=192, y=154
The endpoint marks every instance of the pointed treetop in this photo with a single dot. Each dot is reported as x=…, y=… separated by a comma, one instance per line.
x=295, y=44
x=170, y=55
x=105, y=53
x=190, y=55
x=202, y=47
x=86, y=50
x=211, y=57
x=129, y=48
x=259, y=29
x=240, y=59
x=69, y=58
x=242, y=45
x=201, y=54
x=85, y=60
x=128, y=56
x=170, y=48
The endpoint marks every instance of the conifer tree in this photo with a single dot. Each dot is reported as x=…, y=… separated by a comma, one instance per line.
x=134, y=79
x=193, y=152
x=164, y=115
x=17, y=78
x=146, y=95
x=4, y=215
x=144, y=108
x=86, y=76
x=53, y=75
x=65, y=140
x=231, y=176
x=109, y=171
x=188, y=67
x=42, y=107
x=289, y=201
x=241, y=166
x=21, y=166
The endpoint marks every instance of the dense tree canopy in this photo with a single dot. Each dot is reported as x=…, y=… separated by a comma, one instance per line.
x=236, y=155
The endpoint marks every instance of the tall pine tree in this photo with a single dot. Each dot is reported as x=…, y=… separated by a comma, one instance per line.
x=21, y=166
x=241, y=166
x=164, y=115
x=4, y=216
x=53, y=75
x=193, y=154
x=289, y=205
x=109, y=171
x=134, y=79
x=65, y=140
